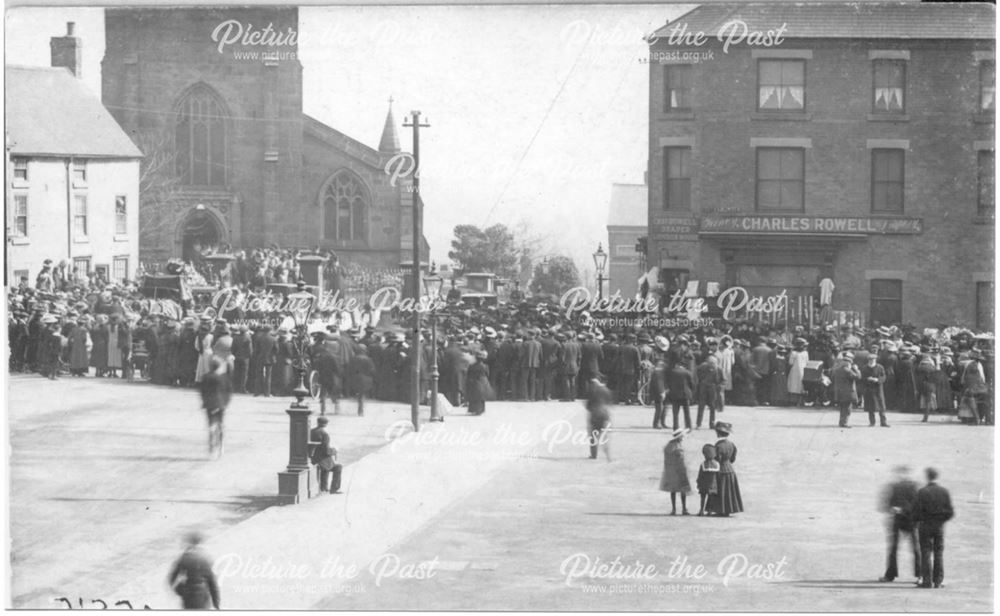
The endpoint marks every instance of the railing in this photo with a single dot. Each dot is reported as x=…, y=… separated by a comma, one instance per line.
x=805, y=310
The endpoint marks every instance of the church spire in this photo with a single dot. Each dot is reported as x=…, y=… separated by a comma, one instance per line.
x=389, y=144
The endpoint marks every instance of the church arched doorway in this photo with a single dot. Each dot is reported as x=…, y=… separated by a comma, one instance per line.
x=199, y=230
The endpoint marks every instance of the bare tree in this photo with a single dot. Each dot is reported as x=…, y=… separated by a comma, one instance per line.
x=530, y=246
x=159, y=186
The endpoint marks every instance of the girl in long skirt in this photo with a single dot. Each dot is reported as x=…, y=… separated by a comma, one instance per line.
x=707, y=473
x=728, y=499
x=675, y=472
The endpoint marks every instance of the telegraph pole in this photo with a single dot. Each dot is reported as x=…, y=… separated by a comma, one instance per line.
x=417, y=236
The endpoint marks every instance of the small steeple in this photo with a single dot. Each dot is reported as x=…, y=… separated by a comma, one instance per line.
x=389, y=144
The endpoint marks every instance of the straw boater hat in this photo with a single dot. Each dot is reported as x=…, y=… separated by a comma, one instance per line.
x=679, y=432
x=662, y=343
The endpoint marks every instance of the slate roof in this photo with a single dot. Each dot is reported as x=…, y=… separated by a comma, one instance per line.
x=50, y=112
x=891, y=20
x=629, y=206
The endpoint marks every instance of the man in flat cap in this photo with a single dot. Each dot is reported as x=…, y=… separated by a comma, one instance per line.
x=324, y=456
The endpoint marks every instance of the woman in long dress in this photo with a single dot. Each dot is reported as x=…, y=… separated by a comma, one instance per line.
x=478, y=389
x=906, y=382
x=79, y=349
x=675, y=472
x=729, y=499
x=99, y=352
x=779, y=378
x=797, y=360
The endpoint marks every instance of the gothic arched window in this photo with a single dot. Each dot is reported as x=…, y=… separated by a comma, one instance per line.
x=345, y=203
x=200, y=138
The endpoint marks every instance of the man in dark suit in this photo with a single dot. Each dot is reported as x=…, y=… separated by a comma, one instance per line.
x=323, y=358
x=516, y=370
x=590, y=362
x=872, y=379
x=845, y=373
x=265, y=349
x=532, y=362
x=323, y=455
x=242, y=353
x=570, y=367
x=506, y=357
x=680, y=385
x=931, y=510
x=762, y=360
x=899, y=499
x=550, y=365
x=192, y=577
x=709, y=379
x=628, y=370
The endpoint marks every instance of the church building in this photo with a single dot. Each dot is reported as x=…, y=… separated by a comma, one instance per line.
x=213, y=98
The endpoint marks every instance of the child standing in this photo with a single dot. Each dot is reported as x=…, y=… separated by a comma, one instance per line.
x=706, y=479
x=675, y=474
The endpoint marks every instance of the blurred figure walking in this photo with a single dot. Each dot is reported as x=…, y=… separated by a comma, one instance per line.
x=192, y=577
x=898, y=500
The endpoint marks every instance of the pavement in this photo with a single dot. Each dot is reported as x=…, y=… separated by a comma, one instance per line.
x=498, y=512
x=107, y=476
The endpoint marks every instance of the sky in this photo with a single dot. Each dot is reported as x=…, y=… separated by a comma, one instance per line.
x=534, y=111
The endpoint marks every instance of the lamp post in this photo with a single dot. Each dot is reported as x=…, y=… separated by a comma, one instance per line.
x=415, y=392
x=433, y=283
x=600, y=260
x=294, y=482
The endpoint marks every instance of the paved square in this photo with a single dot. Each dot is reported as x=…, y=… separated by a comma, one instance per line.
x=502, y=511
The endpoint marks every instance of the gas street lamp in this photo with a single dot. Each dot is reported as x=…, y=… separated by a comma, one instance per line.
x=600, y=260
x=434, y=283
x=294, y=483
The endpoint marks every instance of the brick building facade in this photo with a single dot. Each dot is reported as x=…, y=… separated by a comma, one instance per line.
x=214, y=99
x=854, y=142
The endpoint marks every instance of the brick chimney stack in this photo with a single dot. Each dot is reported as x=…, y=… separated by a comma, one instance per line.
x=67, y=51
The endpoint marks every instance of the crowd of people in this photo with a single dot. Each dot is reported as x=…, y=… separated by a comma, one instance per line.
x=522, y=351
x=257, y=268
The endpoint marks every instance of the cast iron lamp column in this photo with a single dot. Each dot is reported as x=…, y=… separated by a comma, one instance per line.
x=295, y=483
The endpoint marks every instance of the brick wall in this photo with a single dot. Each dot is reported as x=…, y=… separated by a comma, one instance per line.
x=940, y=122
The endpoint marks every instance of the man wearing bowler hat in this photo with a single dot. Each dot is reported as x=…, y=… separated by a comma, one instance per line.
x=872, y=379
